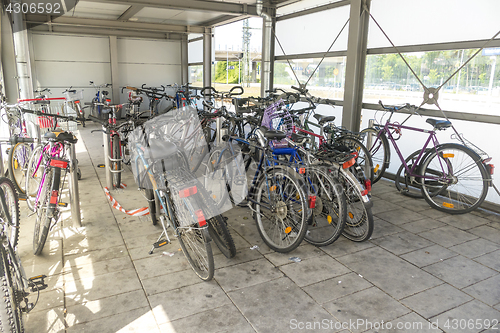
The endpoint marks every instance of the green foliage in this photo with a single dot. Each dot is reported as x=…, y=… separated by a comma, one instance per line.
x=221, y=72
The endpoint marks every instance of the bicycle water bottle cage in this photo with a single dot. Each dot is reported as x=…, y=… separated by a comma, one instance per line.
x=439, y=124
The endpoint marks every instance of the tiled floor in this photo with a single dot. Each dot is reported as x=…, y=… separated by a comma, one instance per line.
x=422, y=271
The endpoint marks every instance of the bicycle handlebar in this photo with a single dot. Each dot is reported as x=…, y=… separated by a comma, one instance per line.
x=40, y=113
x=238, y=93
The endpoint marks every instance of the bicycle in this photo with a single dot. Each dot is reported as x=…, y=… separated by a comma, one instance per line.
x=14, y=285
x=44, y=187
x=101, y=97
x=453, y=178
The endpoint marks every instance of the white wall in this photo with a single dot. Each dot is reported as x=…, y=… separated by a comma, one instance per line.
x=61, y=61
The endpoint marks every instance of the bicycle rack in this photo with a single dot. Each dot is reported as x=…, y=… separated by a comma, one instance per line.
x=109, y=175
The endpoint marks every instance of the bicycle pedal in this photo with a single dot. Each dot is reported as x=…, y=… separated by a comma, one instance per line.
x=62, y=204
x=160, y=243
x=37, y=283
x=101, y=165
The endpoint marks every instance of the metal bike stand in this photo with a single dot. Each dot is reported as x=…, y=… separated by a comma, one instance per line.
x=74, y=193
x=107, y=165
x=2, y=171
x=369, y=142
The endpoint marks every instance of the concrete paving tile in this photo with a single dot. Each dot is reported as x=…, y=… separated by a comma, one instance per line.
x=160, y=265
x=227, y=318
x=475, y=248
x=392, y=196
x=495, y=225
x=187, y=301
x=400, y=216
x=459, y=271
x=343, y=246
x=95, y=256
x=337, y=287
x=428, y=255
x=250, y=234
x=94, y=288
x=143, y=252
x=371, y=305
x=388, y=272
x=402, y=242
x=259, y=306
x=380, y=206
x=51, y=321
x=491, y=234
x=48, y=262
x=450, y=320
x=246, y=274
x=139, y=228
x=422, y=225
x=314, y=270
x=434, y=214
x=105, y=307
x=49, y=299
x=162, y=283
x=447, y=236
x=378, y=188
x=97, y=268
x=416, y=205
x=409, y=323
x=304, y=251
x=241, y=256
x=137, y=320
x=434, y=301
x=145, y=240
x=492, y=260
x=487, y=291
x=79, y=243
x=464, y=221
x=383, y=228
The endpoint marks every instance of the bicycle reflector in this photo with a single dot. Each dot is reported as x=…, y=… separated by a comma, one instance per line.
x=59, y=164
x=349, y=163
x=368, y=187
x=187, y=192
x=201, y=218
x=490, y=168
x=312, y=201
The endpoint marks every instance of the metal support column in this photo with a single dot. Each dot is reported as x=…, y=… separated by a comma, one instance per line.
x=184, y=60
x=23, y=62
x=8, y=59
x=113, y=58
x=74, y=192
x=268, y=23
x=207, y=57
x=355, y=66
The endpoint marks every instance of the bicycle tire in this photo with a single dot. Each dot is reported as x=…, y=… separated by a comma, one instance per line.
x=330, y=211
x=116, y=165
x=364, y=157
x=216, y=177
x=194, y=241
x=33, y=180
x=42, y=223
x=219, y=232
x=18, y=160
x=380, y=152
x=11, y=316
x=12, y=202
x=359, y=220
x=448, y=197
x=291, y=231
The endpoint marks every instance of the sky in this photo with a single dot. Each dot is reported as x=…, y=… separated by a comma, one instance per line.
x=230, y=36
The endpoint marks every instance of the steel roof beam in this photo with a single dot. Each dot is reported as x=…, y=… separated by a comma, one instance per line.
x=209, y=6
x=107, y=24
x=105, y=32
x=225, y=19
x=130, y=12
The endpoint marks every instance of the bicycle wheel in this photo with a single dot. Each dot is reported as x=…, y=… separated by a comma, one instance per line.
x=194, y=240
x=116, y=164
x=11, y=315
x=216, y=176
x=364, y=157
x=379, y=151
x=43, y=217
x=329, y=213
x=11, y=201
x=282, y=212
x=18, y=160
x=359, y=220
x=33, y=178
x=455, y=180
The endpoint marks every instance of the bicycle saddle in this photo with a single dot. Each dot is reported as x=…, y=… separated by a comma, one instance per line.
x=298, y=137
x=105, y=93
x=323, y=119
x=273, y=135
x=61, y=136
x=135, y=99
x=438, y=124
x=41, y=102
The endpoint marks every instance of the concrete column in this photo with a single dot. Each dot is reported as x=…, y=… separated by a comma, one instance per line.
x=23, y=63
x=113, y=59
x=355, y=66
x=184, y=60
x=207, y=57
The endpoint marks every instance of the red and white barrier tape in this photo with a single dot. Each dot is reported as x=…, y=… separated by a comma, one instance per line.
x=133, y=212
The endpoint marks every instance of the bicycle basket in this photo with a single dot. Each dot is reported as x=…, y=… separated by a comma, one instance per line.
x=276, y=117
x=74, y=96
